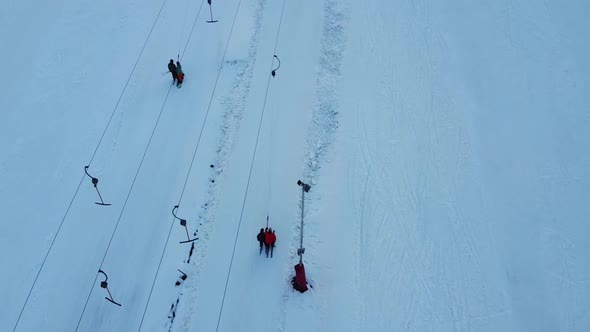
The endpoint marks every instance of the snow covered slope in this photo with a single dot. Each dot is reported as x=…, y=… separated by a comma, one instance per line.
x=447, y=146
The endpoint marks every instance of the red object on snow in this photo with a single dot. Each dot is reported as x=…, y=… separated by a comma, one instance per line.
x=299, y=282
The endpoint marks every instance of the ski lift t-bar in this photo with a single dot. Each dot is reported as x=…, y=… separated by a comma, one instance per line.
x=211, y=13
x=95, y=183
x=183, y=223
x=104, y=284
x=274, y=71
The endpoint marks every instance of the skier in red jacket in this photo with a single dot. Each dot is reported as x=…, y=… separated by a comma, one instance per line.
x=269, y=240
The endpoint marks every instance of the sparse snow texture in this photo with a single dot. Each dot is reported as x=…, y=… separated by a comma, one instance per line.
x=447, y=144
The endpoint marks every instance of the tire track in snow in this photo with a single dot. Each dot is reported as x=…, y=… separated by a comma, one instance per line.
x=375, y=211
x=406, y=190
x=456, y=257
x=362, y=246
x=560, y=265
x=359, y=250
x=234, y=105
x=406, y=257
x=447, y=175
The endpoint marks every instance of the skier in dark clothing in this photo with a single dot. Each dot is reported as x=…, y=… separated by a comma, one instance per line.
x=269, y=241
x=173, y=71
x=260, y=237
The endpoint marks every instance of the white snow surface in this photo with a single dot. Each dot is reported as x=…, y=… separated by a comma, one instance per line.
x=447, y=145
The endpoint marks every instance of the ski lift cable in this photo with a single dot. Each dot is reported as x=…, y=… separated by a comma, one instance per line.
x=97, y=147
x=249, y=174
x=269, y=170
x=135, y=178
x=127, y=82
x=192, y=161
x=191, y=33
x=83, y=176
x=181, y=38
x=271, y=144
x=145, y=152
x=143, y=157
x=125, y=202
x=47, y=253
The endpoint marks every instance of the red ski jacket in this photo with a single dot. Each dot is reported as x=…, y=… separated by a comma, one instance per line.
x=270, y=238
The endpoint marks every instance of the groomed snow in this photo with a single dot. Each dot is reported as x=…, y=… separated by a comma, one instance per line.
x=447, y=147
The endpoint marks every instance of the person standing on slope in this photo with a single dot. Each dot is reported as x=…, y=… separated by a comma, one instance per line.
x=172, y=70
x=269, y=241
x=260, y=237
x=266, y=243
x=179, y=74
x=273, y=240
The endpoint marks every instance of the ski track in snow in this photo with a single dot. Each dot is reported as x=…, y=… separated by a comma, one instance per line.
x=404, y=182
x=234, y=106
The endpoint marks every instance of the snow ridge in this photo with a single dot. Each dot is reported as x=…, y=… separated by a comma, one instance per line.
x=325, y=116
x=321, y=132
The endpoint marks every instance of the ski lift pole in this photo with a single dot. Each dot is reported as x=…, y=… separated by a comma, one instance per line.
x=304, y=188
x=299, y=281
x=301, y=228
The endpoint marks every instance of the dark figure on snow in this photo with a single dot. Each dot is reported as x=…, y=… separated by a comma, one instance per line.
x=269, y=241
x=172, y=69
x=179, y=74
x=260, y=237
